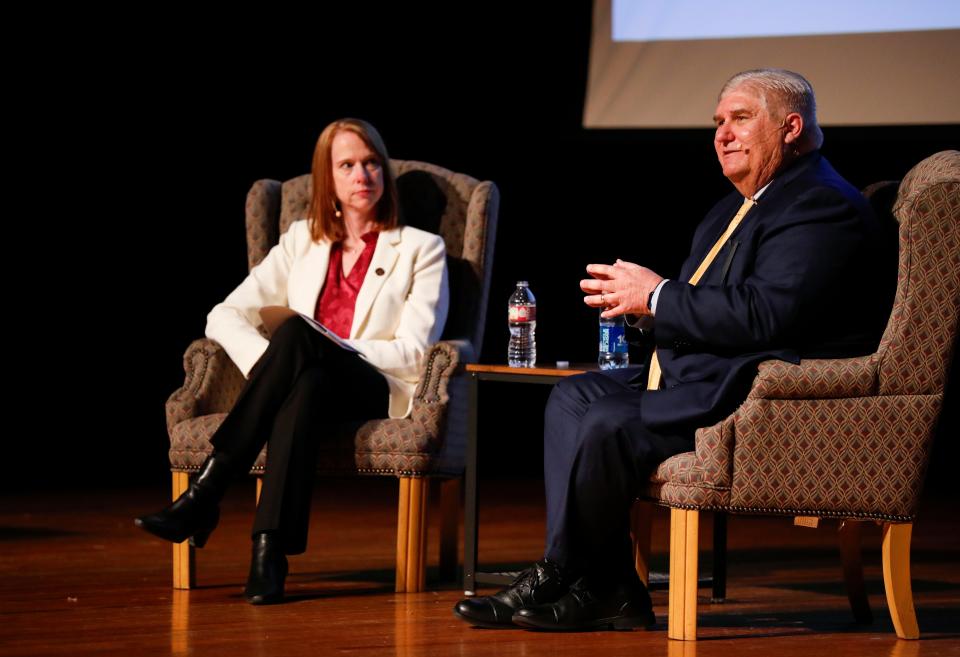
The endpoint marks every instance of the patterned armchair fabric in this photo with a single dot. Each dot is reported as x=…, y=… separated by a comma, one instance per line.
x=432, y=440
x=846, y=437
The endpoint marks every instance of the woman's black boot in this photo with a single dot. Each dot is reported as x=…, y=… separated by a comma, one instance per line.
x=195, y=513
x=268, y=570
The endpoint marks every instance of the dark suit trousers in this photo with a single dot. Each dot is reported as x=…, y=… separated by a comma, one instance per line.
x=302, y=390
x=597, y=457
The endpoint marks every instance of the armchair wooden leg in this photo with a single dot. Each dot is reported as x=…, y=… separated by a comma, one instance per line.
x=719, y=593
x=412, y=534
x=850, y=552
x=449, y=527
x=184, y=562
x=681, y=649
x=180, y=623
x=682, y=620
x=896, y=579
x=641, y=524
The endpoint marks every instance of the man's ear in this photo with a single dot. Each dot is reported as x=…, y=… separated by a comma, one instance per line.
x=793, y=122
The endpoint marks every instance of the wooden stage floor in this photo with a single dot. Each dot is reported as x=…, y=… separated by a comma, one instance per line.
x=77, y=578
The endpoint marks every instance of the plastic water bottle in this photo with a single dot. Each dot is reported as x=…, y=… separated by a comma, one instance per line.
x=613, y=343
x=522, y=321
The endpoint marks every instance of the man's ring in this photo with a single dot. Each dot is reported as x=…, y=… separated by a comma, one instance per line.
x=602, y=303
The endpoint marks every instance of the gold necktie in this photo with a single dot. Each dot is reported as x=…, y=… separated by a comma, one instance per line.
x=653, y=377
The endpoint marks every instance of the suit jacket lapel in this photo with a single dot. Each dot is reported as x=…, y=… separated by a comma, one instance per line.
x=384, y=258
x=714, y=227
x=303, y=298
x=719, y=221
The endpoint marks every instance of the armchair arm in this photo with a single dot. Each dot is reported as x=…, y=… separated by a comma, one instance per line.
x=816, y=378
x=423, y=429
x=211, y=383
x=465, y=351
x=438, y=365
x=709, y=466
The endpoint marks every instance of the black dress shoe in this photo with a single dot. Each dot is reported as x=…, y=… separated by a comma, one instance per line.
x=543, y=582
x=268, y=570
x=195, y=513
x=589, y=606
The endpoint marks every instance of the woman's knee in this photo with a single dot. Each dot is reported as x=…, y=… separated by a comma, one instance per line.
x=292, y=328
x=297, y=338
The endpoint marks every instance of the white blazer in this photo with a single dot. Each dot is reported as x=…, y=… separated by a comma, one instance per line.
x=398, y=314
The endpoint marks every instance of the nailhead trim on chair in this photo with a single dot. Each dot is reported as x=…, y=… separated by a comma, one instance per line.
x=385, y=471
x=789, y=512
x=259, y=469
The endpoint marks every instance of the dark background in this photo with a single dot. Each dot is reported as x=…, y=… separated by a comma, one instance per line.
x=137, y=146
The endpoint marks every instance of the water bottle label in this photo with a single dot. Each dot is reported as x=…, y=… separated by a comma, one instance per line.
x=613, y=340
x=522, y=313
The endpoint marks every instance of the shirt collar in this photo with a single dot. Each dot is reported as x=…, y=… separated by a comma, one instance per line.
x=760, y=191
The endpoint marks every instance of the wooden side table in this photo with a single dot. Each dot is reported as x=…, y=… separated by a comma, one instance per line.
x=478, y=372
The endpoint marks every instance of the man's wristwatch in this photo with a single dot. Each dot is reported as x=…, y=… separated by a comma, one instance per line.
x=650, y=300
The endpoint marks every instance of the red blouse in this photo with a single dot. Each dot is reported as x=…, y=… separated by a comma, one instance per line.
x=338, y=299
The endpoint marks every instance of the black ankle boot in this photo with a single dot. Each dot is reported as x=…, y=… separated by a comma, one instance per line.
x=195, y=513
x=268, y=569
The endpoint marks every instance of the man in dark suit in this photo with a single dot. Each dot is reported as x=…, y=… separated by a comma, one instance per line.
x=793, y=264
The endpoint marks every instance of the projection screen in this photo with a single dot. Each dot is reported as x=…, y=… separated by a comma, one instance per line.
x=660, y=63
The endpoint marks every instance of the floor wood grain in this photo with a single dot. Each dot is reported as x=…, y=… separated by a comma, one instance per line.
x=77, y=578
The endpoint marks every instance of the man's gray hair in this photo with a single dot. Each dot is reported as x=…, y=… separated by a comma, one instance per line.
x=782, y=92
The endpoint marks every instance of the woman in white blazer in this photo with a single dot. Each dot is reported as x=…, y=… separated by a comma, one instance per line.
x=382, y=287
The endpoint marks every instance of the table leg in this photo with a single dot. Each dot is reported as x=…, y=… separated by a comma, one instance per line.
x=470, y=507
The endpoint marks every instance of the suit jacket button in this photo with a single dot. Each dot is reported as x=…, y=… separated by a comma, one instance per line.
x=379, y=271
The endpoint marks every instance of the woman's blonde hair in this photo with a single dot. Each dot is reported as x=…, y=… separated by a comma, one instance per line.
x=324, y=222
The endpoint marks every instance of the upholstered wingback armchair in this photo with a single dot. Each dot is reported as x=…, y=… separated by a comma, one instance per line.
x=846, y=438
x=431, y=441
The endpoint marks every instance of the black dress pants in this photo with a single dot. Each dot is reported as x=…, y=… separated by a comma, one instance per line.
x=598, y=454
x=302, y=390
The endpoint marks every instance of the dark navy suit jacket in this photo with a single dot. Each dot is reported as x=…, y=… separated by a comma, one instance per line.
x=810, y=272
